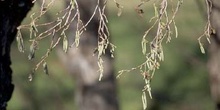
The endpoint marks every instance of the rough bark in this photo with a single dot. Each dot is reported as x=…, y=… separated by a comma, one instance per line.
x=91, y=94
x=214, y=54
x=12, y=12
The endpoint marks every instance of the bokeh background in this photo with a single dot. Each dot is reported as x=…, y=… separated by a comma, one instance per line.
x=182, y=81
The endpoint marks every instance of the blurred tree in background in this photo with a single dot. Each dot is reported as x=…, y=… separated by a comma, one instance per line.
x=180, y=83
x=81, y=62
x=214, y=53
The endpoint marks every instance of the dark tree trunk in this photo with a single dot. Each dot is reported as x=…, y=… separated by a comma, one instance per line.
x=214, y=54
x=12, y=12
x=91, y=94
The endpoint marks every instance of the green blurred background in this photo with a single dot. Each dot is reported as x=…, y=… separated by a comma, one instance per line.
x=180, y=83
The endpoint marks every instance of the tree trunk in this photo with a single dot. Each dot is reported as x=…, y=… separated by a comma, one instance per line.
x=12, y=12
x=91, y=94
x=214, y=54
